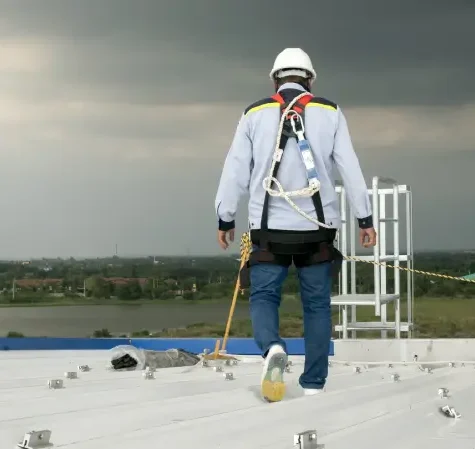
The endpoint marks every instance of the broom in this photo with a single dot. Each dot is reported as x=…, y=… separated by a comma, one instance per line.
x=245, y=251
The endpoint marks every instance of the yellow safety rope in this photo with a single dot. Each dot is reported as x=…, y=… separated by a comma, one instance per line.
x=245, y=241
x=412, y=270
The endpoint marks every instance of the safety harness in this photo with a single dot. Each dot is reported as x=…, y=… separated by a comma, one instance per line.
x=272, y=242
x=291, y=125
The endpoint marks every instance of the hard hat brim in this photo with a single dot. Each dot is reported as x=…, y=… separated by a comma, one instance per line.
x=273, y=72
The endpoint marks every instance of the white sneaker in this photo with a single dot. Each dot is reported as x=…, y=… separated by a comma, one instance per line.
x=312, y=391
x=272, y=380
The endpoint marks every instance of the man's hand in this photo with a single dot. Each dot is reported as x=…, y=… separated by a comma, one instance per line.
x=223, y=238
x=368, y=237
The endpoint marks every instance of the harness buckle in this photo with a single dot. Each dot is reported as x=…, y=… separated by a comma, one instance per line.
x=293, y=116
x=300, y=133
x=314, y=183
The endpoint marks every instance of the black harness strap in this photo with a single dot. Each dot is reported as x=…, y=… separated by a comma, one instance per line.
x=287, y=132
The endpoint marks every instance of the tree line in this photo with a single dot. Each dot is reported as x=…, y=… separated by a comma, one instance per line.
x=200, y=277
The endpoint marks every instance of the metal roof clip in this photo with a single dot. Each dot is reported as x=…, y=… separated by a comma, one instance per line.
x=450, y=412
x=307, y=440
x=443, y=392
x=36, y=439
x=55, y=384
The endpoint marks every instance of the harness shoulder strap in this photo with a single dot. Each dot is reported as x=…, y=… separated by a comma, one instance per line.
x=277, y=97
x=284, y=137
x=298, y=107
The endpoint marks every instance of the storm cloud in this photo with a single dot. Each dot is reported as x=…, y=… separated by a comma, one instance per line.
x=116, y=116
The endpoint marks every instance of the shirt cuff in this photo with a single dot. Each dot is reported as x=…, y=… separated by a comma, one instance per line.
x=365, y=223
x=226, y=225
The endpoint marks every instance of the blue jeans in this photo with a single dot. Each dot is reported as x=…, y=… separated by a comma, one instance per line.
x=315, y=290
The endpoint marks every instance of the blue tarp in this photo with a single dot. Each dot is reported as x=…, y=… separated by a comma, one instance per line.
x=244, y=346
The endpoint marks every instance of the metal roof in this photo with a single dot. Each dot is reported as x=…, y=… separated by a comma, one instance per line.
x=197, y=408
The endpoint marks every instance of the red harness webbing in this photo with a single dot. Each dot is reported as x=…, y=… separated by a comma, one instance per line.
x=297, y=107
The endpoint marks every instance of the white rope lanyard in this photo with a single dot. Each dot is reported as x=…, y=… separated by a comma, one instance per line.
x=307, y=157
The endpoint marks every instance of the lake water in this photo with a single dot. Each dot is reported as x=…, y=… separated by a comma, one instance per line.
x=82, y=321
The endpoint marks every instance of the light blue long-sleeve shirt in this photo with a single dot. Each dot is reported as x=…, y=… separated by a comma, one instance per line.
x=250, y=157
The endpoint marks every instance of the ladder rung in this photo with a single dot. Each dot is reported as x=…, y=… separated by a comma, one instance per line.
x=362, y=299
x=389, y=258
x=381, y=220
x=402, y=189
x=373, y=325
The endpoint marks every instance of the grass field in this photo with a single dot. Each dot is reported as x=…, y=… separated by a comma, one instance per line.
x=433, y=318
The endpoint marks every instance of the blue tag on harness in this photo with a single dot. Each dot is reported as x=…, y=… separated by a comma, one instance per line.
x=307, y=157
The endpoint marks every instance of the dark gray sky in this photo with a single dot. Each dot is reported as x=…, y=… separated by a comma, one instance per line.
x=116, y=116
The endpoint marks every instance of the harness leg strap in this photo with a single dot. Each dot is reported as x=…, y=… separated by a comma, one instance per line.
x=326, y=253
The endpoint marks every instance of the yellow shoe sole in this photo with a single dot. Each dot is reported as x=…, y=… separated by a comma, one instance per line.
x=273, y=385
x=273, y=391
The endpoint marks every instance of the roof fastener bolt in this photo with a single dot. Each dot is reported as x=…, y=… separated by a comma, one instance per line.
x=443, y=392
x=306, y=440
x=55, y=384
x=148, y=375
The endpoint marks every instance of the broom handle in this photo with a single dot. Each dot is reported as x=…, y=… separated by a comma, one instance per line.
x=233, y=303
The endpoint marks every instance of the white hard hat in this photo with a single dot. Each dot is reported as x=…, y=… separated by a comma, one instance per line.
x=293, y=61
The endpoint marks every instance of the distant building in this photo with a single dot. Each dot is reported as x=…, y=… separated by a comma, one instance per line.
x=125, y=281
x=37, y=283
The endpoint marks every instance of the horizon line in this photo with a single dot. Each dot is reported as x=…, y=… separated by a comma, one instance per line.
x=182, y=256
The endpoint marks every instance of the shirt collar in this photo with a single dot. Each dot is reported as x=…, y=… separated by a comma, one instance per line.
x=291, y=86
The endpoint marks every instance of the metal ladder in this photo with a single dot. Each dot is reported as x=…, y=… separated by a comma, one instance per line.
x=383, y=293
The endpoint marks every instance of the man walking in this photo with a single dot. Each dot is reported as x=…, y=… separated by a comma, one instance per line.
x=292, y=139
